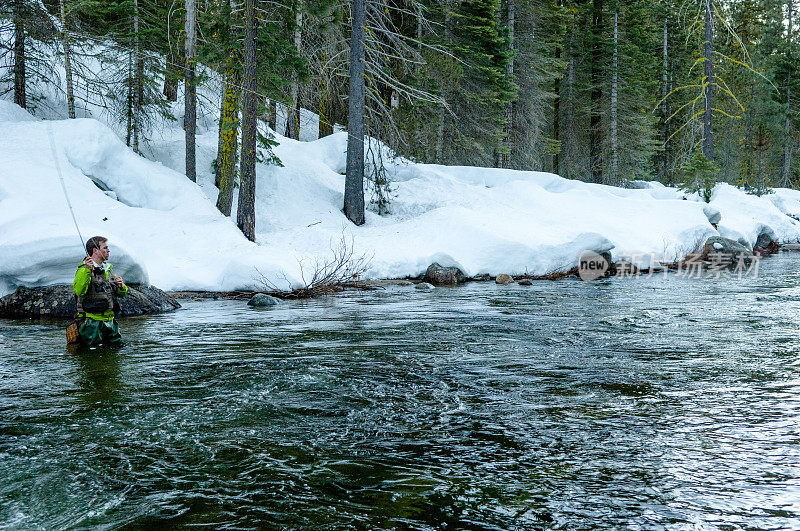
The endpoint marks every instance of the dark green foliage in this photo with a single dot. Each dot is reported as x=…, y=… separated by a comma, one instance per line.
x=446, y=82
x=483, y=88
x=700, y=174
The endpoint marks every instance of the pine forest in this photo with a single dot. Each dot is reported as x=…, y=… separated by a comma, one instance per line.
x=688, y=93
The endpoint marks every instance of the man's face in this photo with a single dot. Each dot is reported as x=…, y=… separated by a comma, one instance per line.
x=102, y=253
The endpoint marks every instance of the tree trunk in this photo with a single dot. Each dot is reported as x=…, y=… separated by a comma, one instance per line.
x=19, y=55
x=246, y=213
x=750, y=141
x=708, y=135
x=325, y=110
x=595, y=130
x=129, y=101
x=354, y=180
x=443, y=114
x=505, y=160
x=662, y=166
x=273, y=114
x=190, y=115
x=556, y=107
x=761, y=147
x=569, y=112
x=228, y=137
x=173, y=73
x=170, y=90
x=138, y=80
x=67, y=62
x=614, y=103
x=787, y=147
x=293, y=109
x=440, y=135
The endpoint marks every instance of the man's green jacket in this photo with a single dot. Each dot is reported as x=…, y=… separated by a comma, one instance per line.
x=83, y=278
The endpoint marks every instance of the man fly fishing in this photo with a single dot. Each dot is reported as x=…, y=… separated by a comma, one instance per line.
x=96, y=293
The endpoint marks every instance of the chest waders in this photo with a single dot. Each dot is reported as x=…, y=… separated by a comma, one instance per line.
x=99, y=298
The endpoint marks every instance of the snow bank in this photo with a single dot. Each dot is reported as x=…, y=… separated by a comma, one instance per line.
x=161, y=227
x=11, y=112
x=166, y=230
x=745, y=217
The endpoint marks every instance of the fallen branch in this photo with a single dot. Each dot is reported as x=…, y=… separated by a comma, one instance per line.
x=341, y=269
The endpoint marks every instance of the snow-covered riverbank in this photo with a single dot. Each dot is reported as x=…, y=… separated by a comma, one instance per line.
x=166, y=230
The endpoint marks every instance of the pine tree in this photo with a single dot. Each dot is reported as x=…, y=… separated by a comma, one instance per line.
x=190, y=112
x=20, y=97
x=484, y=87
x=246, y=214
x=595, y=128
x=67, y=61
x=354, y=180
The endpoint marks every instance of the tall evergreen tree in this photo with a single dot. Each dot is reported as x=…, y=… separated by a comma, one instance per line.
x=485, y=88
x=190, y=100
x=246, y=213
x=354, y=179
x=20, y=97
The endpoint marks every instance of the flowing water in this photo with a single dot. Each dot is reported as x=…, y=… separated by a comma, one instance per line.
x=641, y=403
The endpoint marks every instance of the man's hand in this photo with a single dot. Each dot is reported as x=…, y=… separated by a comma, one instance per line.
x=119, y=282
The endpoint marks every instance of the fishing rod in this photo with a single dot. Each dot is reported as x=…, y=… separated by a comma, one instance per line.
x=61, y=179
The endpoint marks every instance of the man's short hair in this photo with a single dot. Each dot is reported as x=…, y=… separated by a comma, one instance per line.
x=94, y=243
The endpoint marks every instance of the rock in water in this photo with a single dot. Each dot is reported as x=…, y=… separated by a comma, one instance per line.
x=439, y=275
x=59, y=301
x=483, y=277
x=424, y=286
x=525, y=282
x=502, y=278
x=262, y=300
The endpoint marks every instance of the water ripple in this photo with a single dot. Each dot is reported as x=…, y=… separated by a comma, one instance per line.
x=645, y=403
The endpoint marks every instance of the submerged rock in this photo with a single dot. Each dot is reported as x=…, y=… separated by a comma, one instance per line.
x=502, y=278
x=439, y=275
x=525, y=282
x=424, y=286
x=262, y=300
x=59, y=301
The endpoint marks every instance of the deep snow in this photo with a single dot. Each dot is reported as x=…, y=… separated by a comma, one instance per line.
x=166, y=230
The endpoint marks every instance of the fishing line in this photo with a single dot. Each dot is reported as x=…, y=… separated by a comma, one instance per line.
x=61, y=179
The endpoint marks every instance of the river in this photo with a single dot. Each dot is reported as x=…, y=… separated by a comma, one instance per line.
x=651, y=402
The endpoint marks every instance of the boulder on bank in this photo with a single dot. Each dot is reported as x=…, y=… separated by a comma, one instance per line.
x=59, y=301
x=771, y=247
x=503, y=278
x=439, y=275
x=719, y=250
x=766, y=244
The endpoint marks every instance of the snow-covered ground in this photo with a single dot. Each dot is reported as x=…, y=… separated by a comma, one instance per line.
x=164, y=229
